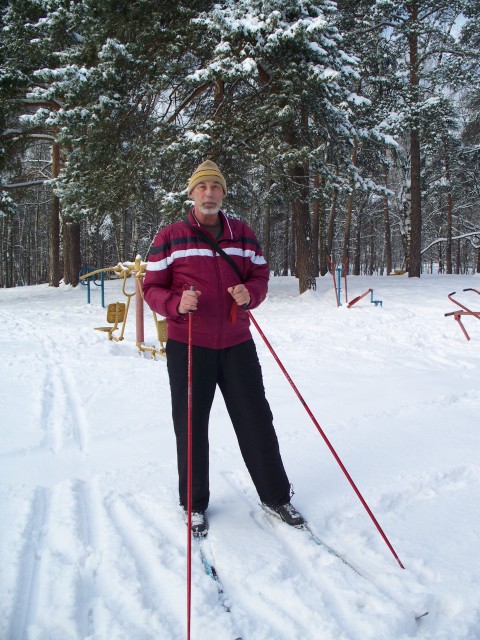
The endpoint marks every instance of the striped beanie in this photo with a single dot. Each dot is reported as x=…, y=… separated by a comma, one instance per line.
x=207, y=169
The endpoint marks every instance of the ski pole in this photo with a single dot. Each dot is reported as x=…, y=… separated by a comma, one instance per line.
x=329, y=445
x=189, y=471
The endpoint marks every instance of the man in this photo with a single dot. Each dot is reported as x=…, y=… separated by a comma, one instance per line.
x=186, y=275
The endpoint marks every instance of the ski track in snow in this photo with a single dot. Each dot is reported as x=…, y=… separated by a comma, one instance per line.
x=25, y=609
x=325, y=575
x=62, y=417
x=93, y=544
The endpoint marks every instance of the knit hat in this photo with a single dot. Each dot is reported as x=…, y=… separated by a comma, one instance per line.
x=207, y=169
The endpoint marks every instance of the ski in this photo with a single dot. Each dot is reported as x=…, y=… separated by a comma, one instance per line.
x=271, y=517
x=205, y=554
x=314, y=538
x=319, y=542
x=211, y=571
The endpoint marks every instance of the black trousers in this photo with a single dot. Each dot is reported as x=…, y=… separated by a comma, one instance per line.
x=237, y=372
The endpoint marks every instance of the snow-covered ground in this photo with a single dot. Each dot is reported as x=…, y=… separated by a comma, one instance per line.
x=92, y=542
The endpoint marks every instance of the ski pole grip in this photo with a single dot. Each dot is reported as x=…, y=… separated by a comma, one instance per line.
x=192, y=288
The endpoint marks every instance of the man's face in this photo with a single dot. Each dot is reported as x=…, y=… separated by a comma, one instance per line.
x=207, y=196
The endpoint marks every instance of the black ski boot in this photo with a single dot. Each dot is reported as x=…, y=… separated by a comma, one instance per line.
x=199, y=523
x=287, y=513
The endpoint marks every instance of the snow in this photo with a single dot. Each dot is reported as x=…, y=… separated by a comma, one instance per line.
x=92, y=542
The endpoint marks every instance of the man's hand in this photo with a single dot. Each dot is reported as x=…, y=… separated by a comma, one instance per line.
x=188, y=301
x=240, y=294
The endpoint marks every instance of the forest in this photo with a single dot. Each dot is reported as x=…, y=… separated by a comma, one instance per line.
x=347, y=131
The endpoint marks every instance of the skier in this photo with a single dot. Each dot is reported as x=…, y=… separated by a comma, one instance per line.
x=186, y=275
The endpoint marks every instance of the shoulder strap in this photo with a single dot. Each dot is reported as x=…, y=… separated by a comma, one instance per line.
x=209, y=240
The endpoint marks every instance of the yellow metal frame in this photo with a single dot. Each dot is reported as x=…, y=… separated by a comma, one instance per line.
x=115, y=315
x=161, y=327
x=117, y=312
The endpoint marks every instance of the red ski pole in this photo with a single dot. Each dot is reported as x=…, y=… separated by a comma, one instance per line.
x=329, y=445
x=189, y=472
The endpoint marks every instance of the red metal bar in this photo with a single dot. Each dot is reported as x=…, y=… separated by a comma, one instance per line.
x=466, y=311
x=322, y=433
x=476, y=314
x=458, y=317
x=355, y=300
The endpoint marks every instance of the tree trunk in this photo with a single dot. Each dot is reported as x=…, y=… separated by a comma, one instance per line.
x=135, y=236
x=459, y=259
x=415, y=257
x=71, y=252
x=448, y=246
x=347, y=231
x=120, y=236
x=440, y=258
x=54, y=231
x=303, y=231
x=267, y=218
x=322, y=258
x=35, y=252
x=387, y=229
x=9, y=252
x=371, y=261
x=3, y=220
x=286, y=247
x=348, y=216
x=331, y=223
x=358, y=247
x=316, y=226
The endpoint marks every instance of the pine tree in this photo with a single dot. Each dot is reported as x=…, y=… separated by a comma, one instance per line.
x=283, y=83
x=105, y=84
x=22, y=53
x=423, y=37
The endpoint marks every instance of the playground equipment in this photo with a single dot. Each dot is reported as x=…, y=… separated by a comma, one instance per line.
x=89, y=275
x=338, y=288
x=465, y=311
x=117, y=312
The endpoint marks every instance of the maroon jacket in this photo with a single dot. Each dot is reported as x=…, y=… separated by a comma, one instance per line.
x=179, y=258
